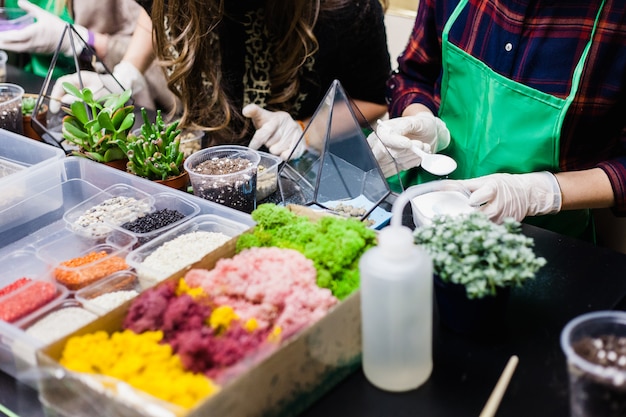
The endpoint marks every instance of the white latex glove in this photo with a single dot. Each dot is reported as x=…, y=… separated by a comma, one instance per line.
x=515, y=195
x=391, y=165
x=44, y=35
x=422, y=127
x=276, y=130
x=100, y=84
x=393, y=151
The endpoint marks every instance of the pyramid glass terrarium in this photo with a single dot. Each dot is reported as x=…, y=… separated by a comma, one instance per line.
x=83, y=58
x=337, y=172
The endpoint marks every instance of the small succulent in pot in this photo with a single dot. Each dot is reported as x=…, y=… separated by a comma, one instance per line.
x=98, y=125
x=481, y=255
x=28, y=104
x=155, y=154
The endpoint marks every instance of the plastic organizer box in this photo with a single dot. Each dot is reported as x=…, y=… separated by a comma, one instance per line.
x=121, y=207
x=35, y=238
x=107, y=294
x=18, y=156
x=18, y=153
x=99, y=215
x=77, y=262
x=25, y=286
x=285, y=383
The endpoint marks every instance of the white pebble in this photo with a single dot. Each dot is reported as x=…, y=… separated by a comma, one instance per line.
x=108, y=301
x=178, y=253
x=59, y=323
x=116, y=210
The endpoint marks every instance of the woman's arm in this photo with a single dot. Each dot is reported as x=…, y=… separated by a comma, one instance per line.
x=371, y=111
x=590, y=188
x=140, y=51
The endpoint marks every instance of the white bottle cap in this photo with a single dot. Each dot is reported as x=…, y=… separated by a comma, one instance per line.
x=396, y=242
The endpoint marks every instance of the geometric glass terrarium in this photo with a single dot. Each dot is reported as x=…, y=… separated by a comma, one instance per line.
x=337, y=171
x=50, y=128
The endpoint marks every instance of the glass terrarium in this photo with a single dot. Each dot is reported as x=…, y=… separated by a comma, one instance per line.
x=83, y=58
x=337, y=171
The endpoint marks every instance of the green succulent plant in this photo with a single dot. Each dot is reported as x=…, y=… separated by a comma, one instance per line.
x=481, y=255
x=98, y=125
x=28, y=105
x=154, y=154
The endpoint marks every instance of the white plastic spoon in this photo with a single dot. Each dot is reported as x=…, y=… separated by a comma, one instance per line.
x=437, y=164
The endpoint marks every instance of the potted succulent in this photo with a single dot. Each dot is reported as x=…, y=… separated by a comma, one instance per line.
x=155, y=153
x=28, y=107
x=476, y=262
x=98, y=125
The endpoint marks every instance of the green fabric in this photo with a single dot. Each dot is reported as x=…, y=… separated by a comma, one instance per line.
x=488, y=136
x=39, y=64
x=493, y=120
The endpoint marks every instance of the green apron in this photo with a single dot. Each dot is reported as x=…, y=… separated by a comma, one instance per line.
x=39, y=64
x=499, y=125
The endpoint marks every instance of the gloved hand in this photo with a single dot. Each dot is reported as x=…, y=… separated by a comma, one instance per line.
x=422, y=127
x=44, y=35
x=515, y=195
x=276, y=130
x=101, y=84
x=393, y=151
x=392, y=160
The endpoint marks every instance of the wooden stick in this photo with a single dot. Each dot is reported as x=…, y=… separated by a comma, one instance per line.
x=498, y=392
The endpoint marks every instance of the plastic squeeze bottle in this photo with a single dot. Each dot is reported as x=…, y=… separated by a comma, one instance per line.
x=396, y=311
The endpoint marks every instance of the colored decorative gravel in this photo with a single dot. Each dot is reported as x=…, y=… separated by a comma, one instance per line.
x=140, y=360
x=26, y=300
x=79, y=272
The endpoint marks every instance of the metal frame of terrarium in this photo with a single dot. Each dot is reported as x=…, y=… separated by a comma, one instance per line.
x=51, y=131
x=337, y=165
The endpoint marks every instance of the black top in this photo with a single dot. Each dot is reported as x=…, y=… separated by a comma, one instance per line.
x=352, y=49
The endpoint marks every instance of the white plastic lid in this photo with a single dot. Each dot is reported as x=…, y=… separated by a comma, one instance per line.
x=437, y=203
x=396, y=242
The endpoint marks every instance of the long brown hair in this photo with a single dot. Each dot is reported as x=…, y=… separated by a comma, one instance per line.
x=187, y=46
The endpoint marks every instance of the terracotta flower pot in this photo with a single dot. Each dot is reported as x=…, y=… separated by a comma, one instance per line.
x=118, y=164
x=180, y=182
x=28, y=129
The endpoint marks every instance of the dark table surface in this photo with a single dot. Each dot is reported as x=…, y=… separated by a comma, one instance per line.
x=579, y=277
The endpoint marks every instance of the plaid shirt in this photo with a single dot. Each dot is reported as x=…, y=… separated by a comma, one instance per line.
x=537, y=43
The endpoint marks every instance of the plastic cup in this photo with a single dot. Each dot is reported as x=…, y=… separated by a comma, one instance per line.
x=4, y=57
x=595, y=348
x=225, y=174
x=267, y=180
x=191, y=141
x=11, y=107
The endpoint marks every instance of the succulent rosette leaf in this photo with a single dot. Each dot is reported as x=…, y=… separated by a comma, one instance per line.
x=97, y=126
x=479, y=254
x=155, y=154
